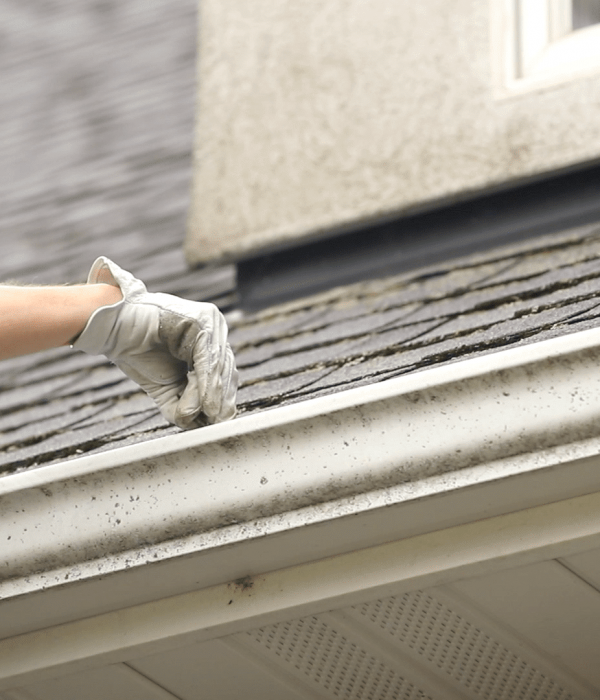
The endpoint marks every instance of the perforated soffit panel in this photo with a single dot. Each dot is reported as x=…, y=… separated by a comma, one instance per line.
x=437, y=645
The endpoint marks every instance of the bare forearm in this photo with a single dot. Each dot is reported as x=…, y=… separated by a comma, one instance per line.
x=38, y=318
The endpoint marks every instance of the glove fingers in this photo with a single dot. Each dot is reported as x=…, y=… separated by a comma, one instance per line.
x=165, y=395
x=229, y=383
x=199, y=397
x=221, y=393
x=168, y=400
x=189, y=408
x=205, y=388
x=211, y=392
x=220, y=361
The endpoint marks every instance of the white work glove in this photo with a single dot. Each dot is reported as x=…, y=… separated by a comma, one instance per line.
x=175, y=349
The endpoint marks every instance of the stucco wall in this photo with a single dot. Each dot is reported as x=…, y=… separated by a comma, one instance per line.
x=315, y=116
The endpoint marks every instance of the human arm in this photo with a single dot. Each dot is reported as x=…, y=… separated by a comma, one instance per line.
x=39, y=318
x=175, y=349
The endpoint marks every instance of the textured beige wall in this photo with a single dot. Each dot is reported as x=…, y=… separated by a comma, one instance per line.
x=318, y=115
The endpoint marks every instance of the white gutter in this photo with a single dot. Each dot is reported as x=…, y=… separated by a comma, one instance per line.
x=438, y=448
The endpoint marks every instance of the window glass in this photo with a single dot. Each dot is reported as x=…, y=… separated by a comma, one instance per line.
x=585, y=13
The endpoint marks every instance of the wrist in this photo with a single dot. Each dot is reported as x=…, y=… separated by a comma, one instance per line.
x=103, y=295
x=92, y=298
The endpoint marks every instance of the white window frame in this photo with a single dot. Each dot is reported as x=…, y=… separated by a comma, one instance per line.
x=534, y=45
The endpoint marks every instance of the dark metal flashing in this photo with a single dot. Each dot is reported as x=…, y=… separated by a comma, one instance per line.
x=505, y=217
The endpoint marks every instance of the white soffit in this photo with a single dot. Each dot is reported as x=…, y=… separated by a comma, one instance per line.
x=418, y=454
x=161, y=634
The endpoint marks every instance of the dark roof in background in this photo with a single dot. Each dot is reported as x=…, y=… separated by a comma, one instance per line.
x=95, y=131
x=96, y=122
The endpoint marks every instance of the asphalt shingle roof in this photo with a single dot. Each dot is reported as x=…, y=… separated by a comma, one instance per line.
x=96, y=125
x=373, y=331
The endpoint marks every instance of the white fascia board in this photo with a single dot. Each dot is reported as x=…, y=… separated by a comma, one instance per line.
x=421, y=562
x=431, y=450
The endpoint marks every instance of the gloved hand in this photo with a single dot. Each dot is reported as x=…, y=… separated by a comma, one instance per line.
x=175, y=349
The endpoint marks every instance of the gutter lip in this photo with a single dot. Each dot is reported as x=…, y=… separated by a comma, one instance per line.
x=331, y=462
x=320, y=407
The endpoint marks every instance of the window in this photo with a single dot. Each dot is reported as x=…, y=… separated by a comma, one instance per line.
x=546, y=41
x=584, y=13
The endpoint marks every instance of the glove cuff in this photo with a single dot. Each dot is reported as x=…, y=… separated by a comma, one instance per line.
x=105, y=271
x=94, y=339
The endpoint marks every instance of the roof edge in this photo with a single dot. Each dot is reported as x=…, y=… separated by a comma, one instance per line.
x=554, y=349
x=268, y=479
